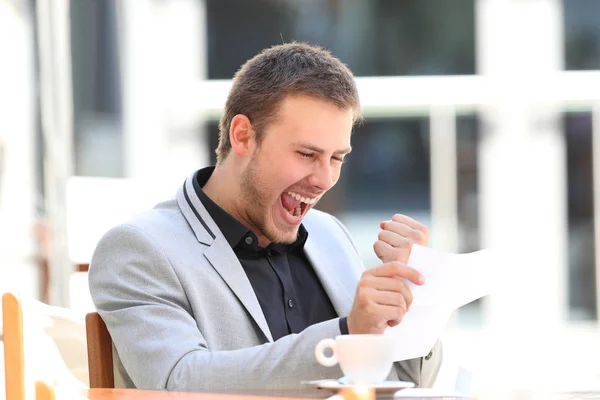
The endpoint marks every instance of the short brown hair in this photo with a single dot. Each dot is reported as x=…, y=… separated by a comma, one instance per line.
x=265, y=80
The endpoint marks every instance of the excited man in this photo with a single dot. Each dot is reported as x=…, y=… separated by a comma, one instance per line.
x=231, y=284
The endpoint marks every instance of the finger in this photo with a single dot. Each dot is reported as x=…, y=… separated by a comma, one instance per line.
x=381, y=303
x=389, y=284
x=390, y=313
x=405, y=230
x=397, y=269
x=406, y=294
x=386, y=298
x=398, y=240
x=411, y=222
x=385, y=312
x=384, y=251
x=387, y=253
x=391, y=292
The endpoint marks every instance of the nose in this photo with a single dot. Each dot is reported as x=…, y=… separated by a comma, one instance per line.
x=323, y=176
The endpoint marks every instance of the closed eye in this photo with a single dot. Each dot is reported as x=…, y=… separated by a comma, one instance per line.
x=339, y=159
x=306, y=155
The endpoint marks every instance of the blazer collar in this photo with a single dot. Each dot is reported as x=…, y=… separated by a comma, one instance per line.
x=194, y=212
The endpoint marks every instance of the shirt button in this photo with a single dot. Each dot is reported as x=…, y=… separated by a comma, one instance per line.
x=428, y=356
x=248, y=240
x=291, y=303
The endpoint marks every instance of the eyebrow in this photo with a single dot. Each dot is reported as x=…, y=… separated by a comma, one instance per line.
x=316, y=149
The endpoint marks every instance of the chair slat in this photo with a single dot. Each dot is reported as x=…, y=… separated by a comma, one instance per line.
x=99, y=347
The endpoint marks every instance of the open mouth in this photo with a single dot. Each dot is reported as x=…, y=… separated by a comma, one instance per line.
x=296, y=205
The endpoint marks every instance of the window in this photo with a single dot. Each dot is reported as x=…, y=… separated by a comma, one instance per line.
x=98, y=144
x=582, y=273
x=582, y=34
x=375, y=38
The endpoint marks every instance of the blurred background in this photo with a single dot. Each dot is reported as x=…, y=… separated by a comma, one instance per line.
x=482, y=121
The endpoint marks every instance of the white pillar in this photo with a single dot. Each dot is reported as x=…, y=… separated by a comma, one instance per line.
x=444, y=209
x=162, y=47
x=57, y=125
x=142, y=119
x=183, y=23
x=522, y=162
x=18, y=269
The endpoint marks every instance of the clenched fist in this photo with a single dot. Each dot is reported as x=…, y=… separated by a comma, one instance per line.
x=397, y=237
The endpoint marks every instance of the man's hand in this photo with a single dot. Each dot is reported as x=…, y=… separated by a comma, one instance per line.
x=382, y=298
x=397, y=237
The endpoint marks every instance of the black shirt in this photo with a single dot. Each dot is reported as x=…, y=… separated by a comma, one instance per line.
x=288, y=290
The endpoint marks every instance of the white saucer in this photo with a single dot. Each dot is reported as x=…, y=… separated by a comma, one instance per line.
x=383, y=387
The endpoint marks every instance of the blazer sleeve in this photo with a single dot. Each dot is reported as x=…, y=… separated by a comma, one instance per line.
x=142, y=301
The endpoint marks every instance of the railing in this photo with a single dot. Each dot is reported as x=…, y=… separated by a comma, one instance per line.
x=387, y=96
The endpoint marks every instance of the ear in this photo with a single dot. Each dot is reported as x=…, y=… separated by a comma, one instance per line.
x=242, y=136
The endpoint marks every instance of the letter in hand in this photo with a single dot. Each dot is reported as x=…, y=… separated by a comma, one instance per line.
x=382, y=298
x=397, y=237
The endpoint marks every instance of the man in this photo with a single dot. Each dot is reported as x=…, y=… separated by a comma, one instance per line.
x=233, y=283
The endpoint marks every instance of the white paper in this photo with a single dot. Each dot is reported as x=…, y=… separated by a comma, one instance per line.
x=451, y=281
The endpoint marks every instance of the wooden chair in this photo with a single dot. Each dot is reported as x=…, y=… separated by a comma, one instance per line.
x=44, y=391
x=99, y=347
x=14, y=356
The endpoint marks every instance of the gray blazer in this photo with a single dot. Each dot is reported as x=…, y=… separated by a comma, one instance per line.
x=183, y=315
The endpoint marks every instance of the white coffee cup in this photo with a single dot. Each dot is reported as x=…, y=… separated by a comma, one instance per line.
x=362, y=358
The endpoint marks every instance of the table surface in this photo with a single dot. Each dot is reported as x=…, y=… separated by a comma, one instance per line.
x=134, y=394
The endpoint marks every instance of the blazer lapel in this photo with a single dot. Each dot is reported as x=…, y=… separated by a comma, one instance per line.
x=324, y=264
x=224, y=260
x=219, y=254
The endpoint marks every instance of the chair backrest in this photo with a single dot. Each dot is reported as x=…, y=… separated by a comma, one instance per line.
x=44, y=391
x=99, y=347
x=14, y=348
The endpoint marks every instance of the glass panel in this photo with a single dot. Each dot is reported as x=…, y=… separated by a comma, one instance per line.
x=388, y=169
x=375, y=37
x=467, y=147
x=212, y=133
x=582, y=34
x=582, y=275
x=98, y=143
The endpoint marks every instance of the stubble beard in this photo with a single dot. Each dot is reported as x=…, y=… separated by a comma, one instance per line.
x=256, y=210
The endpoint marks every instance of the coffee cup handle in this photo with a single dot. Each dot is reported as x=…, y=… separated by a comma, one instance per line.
x=320, y=353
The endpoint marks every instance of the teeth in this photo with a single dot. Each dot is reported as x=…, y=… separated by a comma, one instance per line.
x=296, y=212
x=302, y=199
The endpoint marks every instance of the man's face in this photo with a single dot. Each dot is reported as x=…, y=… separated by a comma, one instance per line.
x=298, y=160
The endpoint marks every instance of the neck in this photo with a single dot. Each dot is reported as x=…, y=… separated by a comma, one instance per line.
x=223, y=187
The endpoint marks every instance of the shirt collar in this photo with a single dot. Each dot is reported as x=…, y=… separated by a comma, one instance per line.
x=234, y=231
